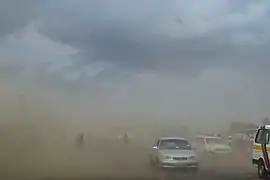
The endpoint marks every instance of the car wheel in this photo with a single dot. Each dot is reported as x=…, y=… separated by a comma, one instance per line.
x=195, y=169
x=157, y=163
x=262, y=173
x=154, y=165
x=151, y=162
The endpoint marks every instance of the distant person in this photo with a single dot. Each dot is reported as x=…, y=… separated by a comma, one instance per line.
x=80, y=139
x=230, y=140
x=126, y=137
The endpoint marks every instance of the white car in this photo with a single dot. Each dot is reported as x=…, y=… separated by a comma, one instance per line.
x=173, y=152
x=211, y=145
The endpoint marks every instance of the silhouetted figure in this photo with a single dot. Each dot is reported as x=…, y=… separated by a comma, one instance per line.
x=230, y=140
x=80, y=140
x=126, y=137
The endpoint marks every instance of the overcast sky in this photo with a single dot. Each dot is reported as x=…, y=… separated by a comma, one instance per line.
x=177, y=59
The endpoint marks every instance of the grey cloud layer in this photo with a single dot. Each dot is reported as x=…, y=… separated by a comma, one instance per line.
x=175, y=36
x=127, y=45
x=15, y=14
x=179, y=36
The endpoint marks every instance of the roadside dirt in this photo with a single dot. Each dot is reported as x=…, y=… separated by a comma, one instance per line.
x=110, y=159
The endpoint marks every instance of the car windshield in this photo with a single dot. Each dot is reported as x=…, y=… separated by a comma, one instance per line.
x=174, y=144
x=214, y=141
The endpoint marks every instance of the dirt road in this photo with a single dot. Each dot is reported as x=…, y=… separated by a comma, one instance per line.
x=108, y=159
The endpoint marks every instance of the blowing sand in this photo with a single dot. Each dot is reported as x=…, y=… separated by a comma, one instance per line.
x=38, y=141
x=37, y=157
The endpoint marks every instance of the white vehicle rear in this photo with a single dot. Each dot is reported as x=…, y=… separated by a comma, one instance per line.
x=211, y=145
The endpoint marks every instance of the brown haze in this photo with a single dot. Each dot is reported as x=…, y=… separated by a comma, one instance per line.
x=38, y=134
x=152, y=68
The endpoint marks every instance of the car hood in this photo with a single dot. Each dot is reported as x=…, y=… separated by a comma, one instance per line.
x=176, y=153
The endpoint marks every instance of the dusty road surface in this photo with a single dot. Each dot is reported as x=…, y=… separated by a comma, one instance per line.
x=109, y=160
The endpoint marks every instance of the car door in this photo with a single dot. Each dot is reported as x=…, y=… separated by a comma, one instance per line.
x=199, y=145
x=261, y=147
x=257, y=145
x=207, y=145
x=267, y=147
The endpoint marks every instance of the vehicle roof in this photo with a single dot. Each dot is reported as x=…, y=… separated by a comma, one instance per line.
x=168, y=138
x=212, y=137
x=253, y=129
x=264, y=127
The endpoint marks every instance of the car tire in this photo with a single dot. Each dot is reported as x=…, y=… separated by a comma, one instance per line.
x=151, y=162
x=262, y=173
x=195, y=169
x=157, y=163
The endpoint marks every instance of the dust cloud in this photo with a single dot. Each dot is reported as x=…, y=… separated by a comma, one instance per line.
x=104, y=68
x=38, y=139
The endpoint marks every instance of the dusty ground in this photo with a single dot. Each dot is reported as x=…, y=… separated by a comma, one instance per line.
x=105, y=159
x=38, y=151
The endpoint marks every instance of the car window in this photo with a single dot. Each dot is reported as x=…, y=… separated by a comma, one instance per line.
x=259, y=136
x=199, y=140
x=213, y=141
x=175, y=144
x=262, y=135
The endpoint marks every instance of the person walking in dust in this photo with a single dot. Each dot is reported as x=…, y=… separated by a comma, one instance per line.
x=126, y=138
x=80, y=140
x=230, y=141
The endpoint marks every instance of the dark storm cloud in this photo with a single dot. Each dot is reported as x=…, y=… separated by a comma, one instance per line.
x=136, y=34
x=174, y=36
x=114, y=53
x=15, y=14
x=148, y=35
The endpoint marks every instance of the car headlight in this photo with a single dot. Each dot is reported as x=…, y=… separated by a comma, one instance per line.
x=167, y=157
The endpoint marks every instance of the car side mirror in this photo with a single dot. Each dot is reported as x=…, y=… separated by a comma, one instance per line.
x=155, y=147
